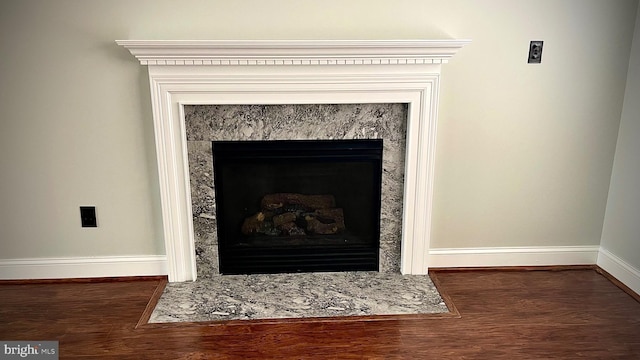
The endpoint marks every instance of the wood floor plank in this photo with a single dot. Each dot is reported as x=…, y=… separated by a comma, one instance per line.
x=503, y=315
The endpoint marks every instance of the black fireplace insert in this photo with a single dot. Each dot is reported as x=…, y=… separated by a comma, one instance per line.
x=298, y=206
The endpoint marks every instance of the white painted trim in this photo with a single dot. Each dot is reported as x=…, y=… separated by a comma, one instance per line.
x=361, y=72
x=292, y=52
x=513, y=256
x=82, y=267
x=620, y=269
x=150, y=265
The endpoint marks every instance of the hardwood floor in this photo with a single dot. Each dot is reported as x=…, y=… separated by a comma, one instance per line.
x=503, y=314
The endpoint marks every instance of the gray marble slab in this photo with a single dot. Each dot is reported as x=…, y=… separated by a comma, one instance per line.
x=273, y=296
x=205, y=123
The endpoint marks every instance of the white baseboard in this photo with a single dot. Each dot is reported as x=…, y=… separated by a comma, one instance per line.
x=150, y=265
x=513, y=256
x=86, y=267
x=620, y=269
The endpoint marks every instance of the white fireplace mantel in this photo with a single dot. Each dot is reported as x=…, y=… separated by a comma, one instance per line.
x=293, y=72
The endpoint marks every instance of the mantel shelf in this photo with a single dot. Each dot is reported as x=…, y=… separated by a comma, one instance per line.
x=292, y=52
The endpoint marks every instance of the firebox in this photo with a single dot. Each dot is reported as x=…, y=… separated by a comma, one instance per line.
x=298, y=206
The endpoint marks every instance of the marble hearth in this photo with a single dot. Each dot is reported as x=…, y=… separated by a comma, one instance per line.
x=204, y=90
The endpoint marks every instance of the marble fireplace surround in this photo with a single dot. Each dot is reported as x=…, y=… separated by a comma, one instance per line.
x=214, y=72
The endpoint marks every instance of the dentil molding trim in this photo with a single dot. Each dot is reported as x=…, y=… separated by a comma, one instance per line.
x=292, y=52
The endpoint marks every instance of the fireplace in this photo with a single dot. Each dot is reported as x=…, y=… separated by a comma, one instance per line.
x=205, y=72
x=298, y=206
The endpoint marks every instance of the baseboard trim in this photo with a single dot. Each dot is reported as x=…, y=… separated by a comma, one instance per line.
x=513, y=256
x=619, y=269
x=85, y=267
x=153, y=265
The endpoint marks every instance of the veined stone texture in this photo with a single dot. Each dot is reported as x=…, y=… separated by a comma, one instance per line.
x=303, y=295
x=206, y=123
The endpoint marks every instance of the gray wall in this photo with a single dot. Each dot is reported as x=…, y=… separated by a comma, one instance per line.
x=621, y=231
x=524, y=152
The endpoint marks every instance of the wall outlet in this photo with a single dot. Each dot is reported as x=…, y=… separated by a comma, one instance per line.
x=88, y=216
x=535, y=52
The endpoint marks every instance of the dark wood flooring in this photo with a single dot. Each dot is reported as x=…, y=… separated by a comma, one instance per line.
x=566, y=314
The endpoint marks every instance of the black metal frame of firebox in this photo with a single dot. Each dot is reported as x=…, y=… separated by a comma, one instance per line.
x=259, y=259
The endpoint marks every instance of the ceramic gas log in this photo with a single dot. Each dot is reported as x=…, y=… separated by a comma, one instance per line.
x=289, y=214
